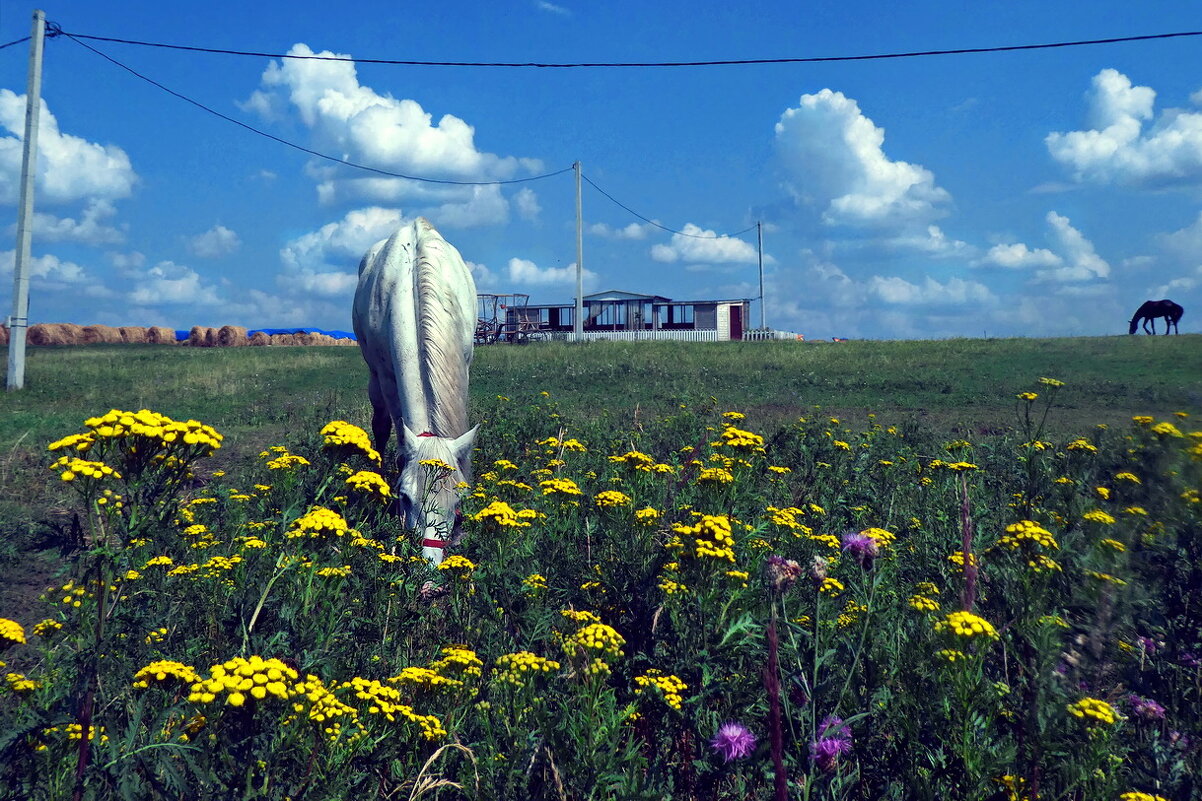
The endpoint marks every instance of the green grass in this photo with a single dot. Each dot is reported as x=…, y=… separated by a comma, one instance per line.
x=957, y=386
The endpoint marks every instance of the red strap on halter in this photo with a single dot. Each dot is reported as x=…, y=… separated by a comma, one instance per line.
x=429, y=543
x=427, y=434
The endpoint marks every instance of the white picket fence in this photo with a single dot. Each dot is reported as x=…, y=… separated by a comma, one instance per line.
x=678, y=336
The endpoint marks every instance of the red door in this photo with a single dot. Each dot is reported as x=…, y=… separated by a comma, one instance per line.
x=736, y=322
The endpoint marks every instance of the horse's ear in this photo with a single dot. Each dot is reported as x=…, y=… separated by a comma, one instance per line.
x=408, y=443
x=462, y=446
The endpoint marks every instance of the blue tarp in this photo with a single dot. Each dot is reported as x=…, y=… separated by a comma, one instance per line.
x=182, y=336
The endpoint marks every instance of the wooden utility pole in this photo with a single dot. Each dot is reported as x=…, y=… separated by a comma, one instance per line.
x=18, y=323
x=578, y=317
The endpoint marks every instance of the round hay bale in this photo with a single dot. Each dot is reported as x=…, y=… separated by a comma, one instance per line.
x=41, y=334
x=283, y=339
x=231, y=336
x=100, y=335
x=260, y=338
x=345, y=341
x=196, y=336
x=211, y=337
x=3, y=335
x=160, y=335
x=132, y=334
x=68, y=334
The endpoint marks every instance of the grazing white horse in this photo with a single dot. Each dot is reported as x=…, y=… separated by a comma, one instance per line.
x=415, y=316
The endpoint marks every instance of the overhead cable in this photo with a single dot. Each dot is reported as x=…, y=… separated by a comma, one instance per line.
x=302, y=148
x=657, y=225
x=584, y=64
x=15, y=42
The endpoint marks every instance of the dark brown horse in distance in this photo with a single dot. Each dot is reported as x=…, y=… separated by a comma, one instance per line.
x=1152, y=309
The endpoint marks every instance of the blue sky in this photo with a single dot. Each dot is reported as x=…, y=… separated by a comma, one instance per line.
x=1041, y=193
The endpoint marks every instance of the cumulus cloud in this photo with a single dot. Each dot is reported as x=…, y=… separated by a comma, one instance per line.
x=168, y=283
x=1080, y=261
x=1184, y=283
x=833, y=158
x=70, y=168
x=698, y=245
x=214, y=243
x=326, y=261
x=1070, y=259
x=1117, y=148
x=631, y=231
x=92, y=227
x=955, y=292
x=48, y=270
x=1017, y=256
x=527, y=273
x=932, y=241
x=527, y=202
x=378, y=130
x=1185, y=244
x=485, y=278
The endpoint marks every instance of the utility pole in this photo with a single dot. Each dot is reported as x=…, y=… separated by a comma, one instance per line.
x=578, y=317
x=19, y=321
x=759, y=234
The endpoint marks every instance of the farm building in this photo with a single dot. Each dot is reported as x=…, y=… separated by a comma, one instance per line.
x=616, y=314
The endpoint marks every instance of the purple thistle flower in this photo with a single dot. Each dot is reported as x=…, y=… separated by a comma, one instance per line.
x=1145, y=708
x=780, y=573
x=733, y=741
x=834, y=740
x=862, y=547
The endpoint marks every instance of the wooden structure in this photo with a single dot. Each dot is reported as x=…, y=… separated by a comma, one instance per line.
x=506, y=318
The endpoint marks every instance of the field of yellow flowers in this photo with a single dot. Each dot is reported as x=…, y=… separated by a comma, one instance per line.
x=688, y=609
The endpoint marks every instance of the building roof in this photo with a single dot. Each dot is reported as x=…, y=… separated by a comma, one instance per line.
x=618, y=294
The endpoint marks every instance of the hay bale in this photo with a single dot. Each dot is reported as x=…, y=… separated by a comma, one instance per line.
x=211, y=337
x=3, y=334
x=132, y=334
x=41, y=334
x=232, y=336
x=259, y=338
x=198, y=336
x=100, y=335
x=283, y=339
x=160, y=335
x=345, y=342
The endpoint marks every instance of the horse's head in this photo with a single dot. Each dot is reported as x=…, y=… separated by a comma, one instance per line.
x=433, y=469
x=1134, y=324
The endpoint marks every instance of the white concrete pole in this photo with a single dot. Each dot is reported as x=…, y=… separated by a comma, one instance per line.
x=578, y=317
x=759, y=233
x=19, y=321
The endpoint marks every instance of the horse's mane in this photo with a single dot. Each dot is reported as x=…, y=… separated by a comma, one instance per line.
x=443, y=330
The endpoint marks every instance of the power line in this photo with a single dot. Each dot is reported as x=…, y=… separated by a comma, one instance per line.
x=302, y=148
x=713, y=63
x=653, y=222
x=14, y=42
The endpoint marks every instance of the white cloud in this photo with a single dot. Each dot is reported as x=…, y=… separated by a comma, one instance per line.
x=1184, y=283
x=326, y=261
x=70, y=168
x=1081, y=261
x=631, y=231
x=833, y=158
x=377, y=130
x=484, y=277
x=483, y=205
x=1017, y=256
x=47, y=270
x=90, y=229
x=527, y=202
x=527, y=273
x=214, y=243
x=543, y=5
x=173, y=284
x=932, y=241
x=1185, y=244
x=955, y=292
x=1117, y=149
x=698, y=245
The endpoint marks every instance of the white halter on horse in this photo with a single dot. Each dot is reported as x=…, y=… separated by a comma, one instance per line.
x=414, y=316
